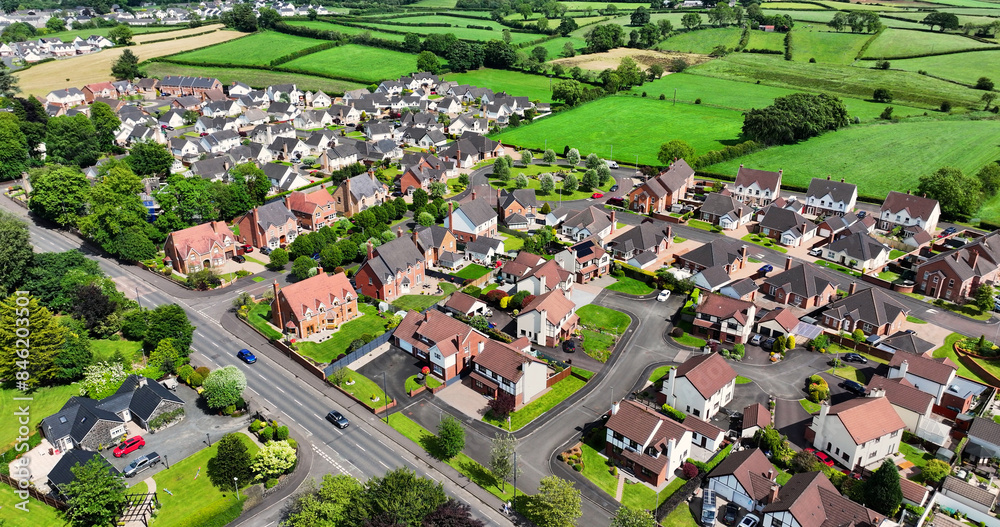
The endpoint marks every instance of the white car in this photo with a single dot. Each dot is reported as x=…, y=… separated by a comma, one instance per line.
x=611, y=164
x=663, y=296
x=750, y=520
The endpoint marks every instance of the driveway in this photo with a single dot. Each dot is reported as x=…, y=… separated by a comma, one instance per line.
x=397, y=366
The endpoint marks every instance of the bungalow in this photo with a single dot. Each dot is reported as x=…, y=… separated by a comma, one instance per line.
x=984, y=438
x=472, y=220
x=447, y=345
x=872, y=311
x=199, y=247
x=905, y=210
x=744, y=478
x=658, y=194
x=648, y=444
x=511, y=369
x=465, y=305
x=827, y=198
x=549, y=319
x=313, y=209
x=725, y=319
x=725, y=210
x=643, y=238
x=786, y=227
x=391, y=270
x=462, y=123
x=62, y=474
x=955, y=275
x=802, y=286
x=757, y=188
x=907, y=342
x=858, y=251
x=586, y=259
x=358, y=193
x=857, y=433
x=726, y=252
x=270, y=225
x=700, y=386
x=579, y=225
x=319, y=303
x=972, y=500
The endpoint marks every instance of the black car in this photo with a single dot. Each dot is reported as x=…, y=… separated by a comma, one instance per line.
x=854, y=387
x=862, y=214
x=614, y=188
x=338, y=419
x=618, y=202
x=239, y=258
x=569, y=346
x=731, y=511
x=768, y=343
x=854, y=357
x=265, y=251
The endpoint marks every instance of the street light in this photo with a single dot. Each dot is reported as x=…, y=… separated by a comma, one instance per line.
x=237, y=487
x=208, y=439
x=166, y=461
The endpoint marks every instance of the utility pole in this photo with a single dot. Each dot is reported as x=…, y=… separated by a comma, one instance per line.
x=675, y=96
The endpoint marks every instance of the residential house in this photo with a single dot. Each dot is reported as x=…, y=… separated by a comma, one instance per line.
x=199, y=247
x=437, y=244
x=857, y=433
x=802, y=286
x=725, y=211
x=147, y=87
x=745, y=289
x=284, y=92
x=509, y=368
x=787, y=227
x=61, y=475
x=283, y=177
x=700, y=386
x=320, y=100
x=252, y=117
x=912, y=405
x=906, y=341
x=420, y=176
x=808, y=499
x=174, y=118
x=220, y=142
x=465, y=305
x=984, y=438
x=311, y=119
x=955, y=275
x=549, y=319
x=579, y=225
x=757, y=188
x=914, y=236
x=973, y=500
x=391, y=270
x=744, y=478
x=90, y=424
x=285, y=148
x=238, y=88
x=724, y=319
x=827, y=198
x=472, y=220
x=270, y=225
x=447, y=345
x=181, y=85
x=212, y=168
x=658, y=194
x=929, y=375
x=100, y=89
x=586, y=259
x=858, y=251
x=471, y=149
x=358, y=193
x=643, y=239
x=755, y=417
x=521, y=266
x=777, y=322
x=872, y=311
x=338, y=157
x=726, y=252
x=517, y=208
x=313, y=208
x=646, y=443
x=712, y=279
x=186, y=148
x=905, y=210
x=547, y=276
x=462, y=123
x=66, y=98
x=319, y=303
x=483, y=250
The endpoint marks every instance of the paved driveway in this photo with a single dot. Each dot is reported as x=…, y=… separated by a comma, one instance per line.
x=397, y=366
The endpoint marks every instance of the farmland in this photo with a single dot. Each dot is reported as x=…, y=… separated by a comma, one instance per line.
x=825, y=46
x=253, y=77
x=701, y=41
x=69, y=35
x=534, y=87
x=765, y=40
x=903, y=43
x=354, y=61
x=906, y=151
x=347, y=30
x=259, y=49
x=460, y=32
x=961, y=67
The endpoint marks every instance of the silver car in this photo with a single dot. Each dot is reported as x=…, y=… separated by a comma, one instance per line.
x=141, y=463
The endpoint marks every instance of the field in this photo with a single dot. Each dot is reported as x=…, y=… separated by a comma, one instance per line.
x=534, y=87
x=46, y=401
x=259, y=49
x=69, y=35
x=87, y=69
x=456, y=22
x=254, y=78
x=702, y=40
x=765, y=40
x=460, y=32
x=347, y=30
x=38, y=513
x=961, y=67
x=825, y=46
x=903, y=43
x=905, y=152
x=362, y=62
x=611, y=59
x=846, y=81
x=626, y=126
x=104, y=349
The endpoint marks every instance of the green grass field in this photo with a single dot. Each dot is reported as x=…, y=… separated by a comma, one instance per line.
x=630, y=286
x=69, y=35
x=961, y=67
x=765, y=40
x=38, y=514
x=434, y=3
x=846, y=81
x=370, y=323
x=825, y=46
x=260, y=318
x=347, y=30
x=902, y=43
x=471, y=272
x=906, y=151
x=531, y=411
x=45, y=402
x=362, y=62
x=788, y=5
x=702, y=40
x=456, y=22
x=364, y=389
x=104, y=349
x=261, y=49
x=534, y=87
x=460, y=32
x=596, y=316
x=628, y=126
x=556, y=45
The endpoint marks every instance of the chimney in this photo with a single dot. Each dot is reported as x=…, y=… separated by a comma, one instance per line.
x=853, y=288
x=669, y=235
x=903, y=368
x=743, y=256
x=319, y=270
x=399, y=232
x=347, y=196
x=288, y=203
x=876, y=392
x=780, y=172
x=284, y=149
x=142, y=382
x=907, y=192
x=668, y=387
x=371, y=174
x=614, y=407
x=371, y=250
x=772, y=496
x=805, y=227
x=925, y=194
x=451, y=224
x=613, y=222
x=277, y=307
x=770, y=474
x=415, y=239
x=541, y=282
x=499, y=205
x=325, y=161
x=788, y=263
x=427, y=315
x=973, y=258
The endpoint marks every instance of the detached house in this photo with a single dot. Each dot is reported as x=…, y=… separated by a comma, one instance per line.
x=872, y=311
x=787, y=227
x=725, y=252
x=858, y=251
x=700, y=386
x=439, y=245
x=643, y=239
x=446, y=344
x=757, y=188
x=912, y=405
x=724, y=210
x=549, y=319
x=744, y=478
x=827, y=198
x=725, y=319
x=957, y=274
x=359, y=193
x=547, y=276
x=420, y=176
x=587, y=260
x=511, y=369
x=516, y=208
x=391, y=270
x=658, y=194
x=648, y=444
x=932, y=376
x=906, y=210
x=199, y=247
x=472, y=220
x=318, y=303
x=583, y=224
x=802, y=286
x=809, y=499
x=857, y=433
x=270, y=225
x=313, y=209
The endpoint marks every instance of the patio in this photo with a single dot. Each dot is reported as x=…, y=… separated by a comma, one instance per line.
x=465, y=400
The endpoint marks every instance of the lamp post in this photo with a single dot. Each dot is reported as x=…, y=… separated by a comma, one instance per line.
x=208, y=438
x=166, y=461
x=237, y=487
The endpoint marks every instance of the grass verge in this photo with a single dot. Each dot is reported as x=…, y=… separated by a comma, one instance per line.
x=630, y=286
x=557, y=394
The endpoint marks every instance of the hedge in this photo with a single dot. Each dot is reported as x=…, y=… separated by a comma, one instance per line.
x=303, y=52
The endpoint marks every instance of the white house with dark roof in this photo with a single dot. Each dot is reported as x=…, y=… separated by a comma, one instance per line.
x=725, y=210
x=857, y=433
x=907, y=210
x=826, y=197
x=700, y=386
x=974, y=501
x=645, y=237
x=646, y=443
x=579, y=225
x=787, y=227
x=744, y=478
x=756, y=187
x=858, y=251
x=509, y=368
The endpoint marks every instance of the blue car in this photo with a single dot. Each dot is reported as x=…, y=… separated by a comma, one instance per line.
x=766, y=269
x=246, y=356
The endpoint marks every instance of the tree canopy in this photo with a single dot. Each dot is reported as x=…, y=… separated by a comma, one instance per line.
x=958, y=194
x=96, y=494
x=794, y=118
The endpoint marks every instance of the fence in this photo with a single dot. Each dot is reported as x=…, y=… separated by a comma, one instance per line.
x=357, y=354
x=862, y=347
x=306, y=363
x=34, y=493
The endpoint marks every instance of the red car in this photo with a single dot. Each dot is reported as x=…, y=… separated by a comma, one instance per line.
x=824, y=459
x=129, y=445
x=597, y=195
x=248, y=248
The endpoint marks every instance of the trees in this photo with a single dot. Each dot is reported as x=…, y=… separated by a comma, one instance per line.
x=427, y=61
x=47, y=338
x=989, y=178
x=106, y=124
x=272, y=460
x=691, y=21
x=168, y=321
x=944, y=21
x=882, y=95
x=570, y=183
x=267, y=18
x=935, y=470
x=521, y=181
x=838, y=22
x=450, y=437
x=149, y=158
x=566, y=26
x=302, y=267
x=165, y=357
x=557, y=503
x=224, y=387
x=881, y=491
x=604, y=37
x=115, y=208
x=626, y=516
x=501, y=169
x=547, y=184
x=91, y=305
x=573, y=157
x=58, y=193
x=240, y=18
x=501, y=464
x=984, y=297
x=13, y=147
x=958, y=194
x=279, y=257
x=55, y=24
x=15, y=252
x=499, y=54
x=72, y=140
x=794, y=118
x=96, y=495
x=984, y=83
x=452, y=514
x=988, y=98
x=568, y=91
x=590, y=180
x=640, y=16
x=770, y=439
x=121, y=35
x=425, y=219
x=721, y=14
x=232, y=460
x=525, y=10
x=397, y=498
x=673, y=150
x=568, y=50
x=324, y=506
x=629, y=74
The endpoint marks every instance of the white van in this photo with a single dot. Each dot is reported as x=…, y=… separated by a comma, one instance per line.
x=708, y=509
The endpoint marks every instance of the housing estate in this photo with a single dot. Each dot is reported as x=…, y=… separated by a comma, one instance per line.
x=801, y=286
x=872, y=311
x=446, y=344
x=646, y=443
x=956, y=274
x=857, y=433
x=700, y=386
x=318, y=303
x=658, y=194
x=908, y=210
x=757, y=188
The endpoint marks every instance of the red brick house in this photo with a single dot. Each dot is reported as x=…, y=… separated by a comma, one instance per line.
x=314, y=210
x=511, y=369
x=199, y=247
x=803, y=286
x=100, y=89
x=725, y=319
x=657, y=194
x=445, y=344
x=872, y=311
x=421, y=175
x=269, y=225
x=955, y=275
x=391, y=270
x=317, y=303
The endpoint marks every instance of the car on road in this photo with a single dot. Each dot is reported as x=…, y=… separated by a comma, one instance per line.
x=569, y=346
x=612, y=164
x=141, y=463
x=597, y=195
x=732, y=510
x=248, y=248
x=239, y=258
x=337, y=419
x=823, y=458
x=768, y=343
x=767, y=268
x=756, y=338
x=750, y=520
x=815, y=252
x=617, y=202
x=663, y=296
x=854, y=357
x=129, y=445
x=246, y=356
x=854, y=387
x=614, y=188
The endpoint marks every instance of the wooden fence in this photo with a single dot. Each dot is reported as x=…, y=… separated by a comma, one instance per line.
x=34, y=493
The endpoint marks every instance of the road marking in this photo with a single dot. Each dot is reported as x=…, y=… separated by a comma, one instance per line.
x=360, y=447
x=931, y=311
x=318, y=417
x=280, y=390
x=294, y=399
x=383, y=464
x=331, y=461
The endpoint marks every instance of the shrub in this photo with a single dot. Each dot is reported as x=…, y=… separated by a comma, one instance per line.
x=196, y=380
x=677, y=332
x=256, y=426
x=266, y=434
x=184, y=374
x=812, y=60
x=281, y=433
x=945, y=106
x=560, y=457
x=698, y=100
x=293, y=443
x=688, y=470
x=229, y=410
x=578, y=467
x=673, y=413
x=270, y=483
x=203, y=371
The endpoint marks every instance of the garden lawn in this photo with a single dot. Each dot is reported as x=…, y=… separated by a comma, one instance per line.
x=193, y=500
x=253, y=77
x=631, y=286
x=689, y=340
x=826, y=46
x=260, y=318
x=680, y=517
x=915, y=455
x=364, y=388
x=659, y=373
x=104, y=349
x=635, y=122
x=327, y=351
x=259, y=49
x=907, y=43
x=38, y=513
x=850, y=373
x=743, y=380
x=597, y=345
x=471, y=272
x=356, y=62
x=422, y=302
x=537, y=169
x=763, y=241
x=45, y=401
x=907, y=150
x=895, y=254
x=839, y=268
x=809, y=406
x=512, y=243
x=601, y=317
x=635, y=495
x=914, y=320
x=948, y=350
x=429, y=381
x=702, y=40
x=557, y=394
x=534, y=87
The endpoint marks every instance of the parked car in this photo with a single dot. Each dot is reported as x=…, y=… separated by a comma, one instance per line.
x=265, y=251
x=823, y=458
x=854, y=357
x=569, y=346
x=246, y=356
x=756, y=338
x=617, y=202
x=597, y=195
x=948, y=232
x=729, y=517
x=141, y=463
x=239, y=258
x=129, y=445
x=854, y=387
x=862, y=214
x=614, y=188
x=815, y=252
x=750, y=520
x=248, y=248
x=612, y=164
x=337, y=419
x=768, y=343
x=767, y=268
x=663, y=296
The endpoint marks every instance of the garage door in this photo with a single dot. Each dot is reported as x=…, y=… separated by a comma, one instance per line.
x=722, y=490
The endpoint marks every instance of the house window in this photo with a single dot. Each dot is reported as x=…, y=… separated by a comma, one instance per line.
x=872, y=455
x=697, y=412
x=951, y=282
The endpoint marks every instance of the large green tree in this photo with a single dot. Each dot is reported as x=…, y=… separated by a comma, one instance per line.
x=557, y=503
x=989, y=178
x=72, y=140
x=232, y=459
x=114, y=206
x=8, y=82
x=326, y=505
x=106, y=124
x=958, y=194
x=75, y=354
x=169, y=321
x=96, y=495
x=241, y=18
x=397, y=498
x=626, y=516
x=881, y=491
x=58, y=193
x=257, y=183
x=794, y=118
x=28, y=359
x=450, y=437
x=13, y=147
x=149, y=158
x=604, y=37
x=121, y=35
x=501, y=463
x=673, y=150
x=15, y=252
x=126, y=67
x=224, y=387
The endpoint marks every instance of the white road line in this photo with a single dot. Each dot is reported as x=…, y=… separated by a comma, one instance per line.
x=360, y=447
x=381, y=443
x=383, y=464
x=279, y=389
x=294, y=399
x=252, y=390
x=317, y=417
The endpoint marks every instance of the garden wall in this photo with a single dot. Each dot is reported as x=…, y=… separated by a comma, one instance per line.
x=375, y=410
x=968, y=360
x=290, y=353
